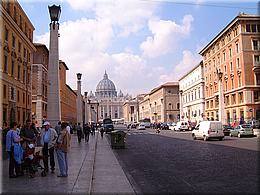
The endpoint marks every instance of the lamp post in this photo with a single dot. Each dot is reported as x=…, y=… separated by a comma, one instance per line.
x=54, y=108
x=79, y=100
x=221, y=96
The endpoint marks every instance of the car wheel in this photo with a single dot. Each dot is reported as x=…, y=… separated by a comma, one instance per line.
x=205, y=138
x=194, y=137
x=221, y=138
x=238, y=135
x=230, y=135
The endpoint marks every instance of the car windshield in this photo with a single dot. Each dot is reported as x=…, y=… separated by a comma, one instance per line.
x=246, y=126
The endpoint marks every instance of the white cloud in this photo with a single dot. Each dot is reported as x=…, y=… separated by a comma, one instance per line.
x=128, y=16
x=189, y=60
x=166, y=36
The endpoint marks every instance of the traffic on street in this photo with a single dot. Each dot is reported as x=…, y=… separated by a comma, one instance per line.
x=172, y=162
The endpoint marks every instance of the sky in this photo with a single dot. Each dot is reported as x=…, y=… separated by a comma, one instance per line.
x=140, y=43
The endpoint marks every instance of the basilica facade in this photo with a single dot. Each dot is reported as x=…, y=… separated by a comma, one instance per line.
x=106, y=102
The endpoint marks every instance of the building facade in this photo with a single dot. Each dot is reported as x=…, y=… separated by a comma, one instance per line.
x=161, y=104
x=106, y=103
x=234, y=56
x=68, y=97
x=16, y=62
x=192, y=101
x=131, y=109
x=39, y=83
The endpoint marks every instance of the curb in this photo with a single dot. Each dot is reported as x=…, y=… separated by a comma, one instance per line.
x=93, y=165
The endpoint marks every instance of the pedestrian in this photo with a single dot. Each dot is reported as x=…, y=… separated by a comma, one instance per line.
x=102, y=132
x=92, y=129
x=14, y=149
x=48, y=140
x=29, y=134
x=86, y=130
x=79, y=132
x=58, y=128
x=62, y=147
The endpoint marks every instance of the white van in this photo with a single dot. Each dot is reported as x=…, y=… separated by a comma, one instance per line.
x=208, y=129
x=181, y=126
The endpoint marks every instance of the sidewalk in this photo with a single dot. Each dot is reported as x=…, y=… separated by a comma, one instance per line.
x=93, y=169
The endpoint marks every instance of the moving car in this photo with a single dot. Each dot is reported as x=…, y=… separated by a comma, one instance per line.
x=226, y=129
x=164, y=126
x=181, y=126
x=242, y=130
x=208, y=129
x=141, y=126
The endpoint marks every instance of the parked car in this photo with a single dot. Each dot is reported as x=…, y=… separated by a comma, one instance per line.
x=242, y=130
x=141, y=127
x=208, y=129
x=181, y=126
x=164, y=126
x=171, y=126
x=226, y=129
x=133, y=126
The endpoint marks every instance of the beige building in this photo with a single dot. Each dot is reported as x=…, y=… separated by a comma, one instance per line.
x=39, y=83
x=192, y=102
x=131, y=109
x=234, y=53
x=161, y=104
x=16, y=62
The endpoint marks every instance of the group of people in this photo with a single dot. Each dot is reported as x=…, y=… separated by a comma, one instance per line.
x=84, y=133
x=21, y=142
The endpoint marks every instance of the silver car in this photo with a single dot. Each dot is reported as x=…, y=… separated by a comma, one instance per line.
x=242, y=130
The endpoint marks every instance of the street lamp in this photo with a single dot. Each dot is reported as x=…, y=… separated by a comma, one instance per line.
x=79, y=76
x=221, y=96
x=54, y=12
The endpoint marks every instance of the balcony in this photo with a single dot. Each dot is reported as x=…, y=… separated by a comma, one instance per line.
x=256, y=67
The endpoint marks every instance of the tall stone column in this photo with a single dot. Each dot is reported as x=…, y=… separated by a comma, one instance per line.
x=79, y=100
x=54, y=108
x=86, y=106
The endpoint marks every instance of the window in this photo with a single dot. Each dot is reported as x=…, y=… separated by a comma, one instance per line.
x=15, y=14
x=231, y=67
x=23, y=97
x=232, y=83
x=199, y=93
x=19, y=72
x=224, y=56
x=256, y=96
x=253, y=27
x=12, y=70
x=238, y=63
x=257, y=77
x=24, y=52
x=4, y=91
x=227, y=100
x=13, y=41
x=12, y=93
x=239, y=81
x=18, y=96
x=19, y=46
x=225, y=68
x=256, y=59
x=237, y=47
x=256, y=45
x=24, y=75
x=240, y=96
x=248, y=28
x=5, y=64
x=170, y=106
x=6, y=34
x=230, y=52
x=233, y=98
x=226, y=85
x=20, y=21
x=178, y=106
